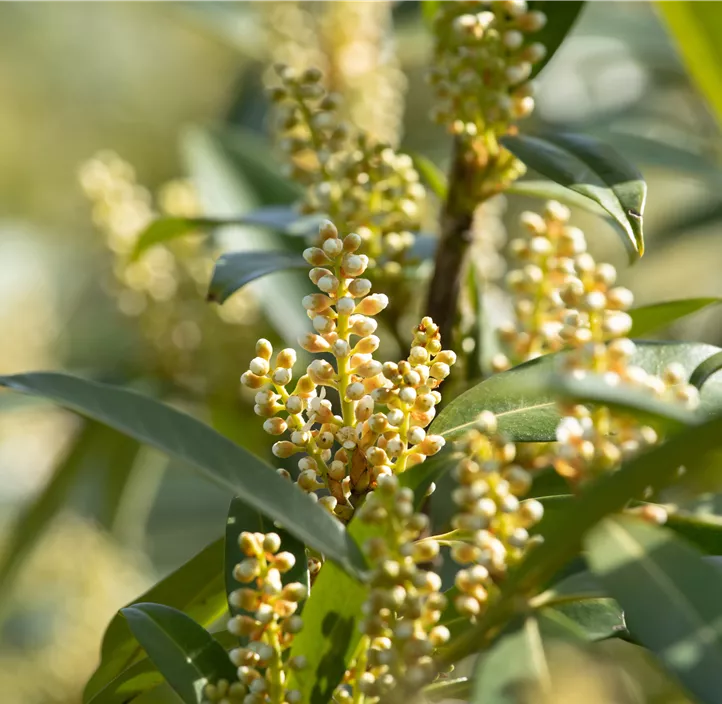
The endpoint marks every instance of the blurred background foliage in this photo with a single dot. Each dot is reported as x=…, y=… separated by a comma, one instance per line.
x=113, y=113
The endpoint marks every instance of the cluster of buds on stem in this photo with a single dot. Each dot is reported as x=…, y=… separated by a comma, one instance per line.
x=345, y=453
x=483, y=63
x=491, y=530
x=564, y=300
x=346, y=174
x=267, y=625
x=400, y=625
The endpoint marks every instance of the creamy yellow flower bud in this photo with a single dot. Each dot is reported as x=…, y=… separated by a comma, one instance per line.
x=315, y=256
x=317, y=302
x=281, y=376
x=332, y=248
x=264, y=349
x=275, y=426
x=352, y=242
x=359, y=288
x=373, y=304
x=317, y=274
x=283, y=449
x=364, y=408
x=313, y=343
x=305, y=387
x=252, y=381
x=431, y=444
x=329, y=284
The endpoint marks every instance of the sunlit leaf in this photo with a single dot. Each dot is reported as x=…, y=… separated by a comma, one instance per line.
x=696, y=28
x=432, y=175
x=184, y=652
x=212, y=455
x=233, y=271
x=670, y=596
x=646, y=319
x=594, y=170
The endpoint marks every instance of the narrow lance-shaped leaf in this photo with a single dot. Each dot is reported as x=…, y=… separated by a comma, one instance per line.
x=560, y=18
x=434, y=177
x=670, y=596
x=526, y=404
x=594, y=170
x=278, y=218
x=646, y=319
x=213, y=455
x=196, y=588
x=184, y=652
x=550, y=190
x=236, y=269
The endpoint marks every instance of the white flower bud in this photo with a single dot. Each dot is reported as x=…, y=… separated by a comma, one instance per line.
x=359, y=288
x=329, y=284
x=259, y=366
x=373, y=304
x=281, y=376
x=345, y=305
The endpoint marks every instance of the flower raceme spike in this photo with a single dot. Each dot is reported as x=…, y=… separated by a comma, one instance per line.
x=384, y=407
x=404, y=605
x=347, y=175
x=268, y=626
x=484, y=58
x=491, y=527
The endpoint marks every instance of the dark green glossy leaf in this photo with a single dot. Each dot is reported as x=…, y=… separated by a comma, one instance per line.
x=669, y=594
x=561, y=17
x=646, y=319
x=279, y=218
x=242, y=518
x=705, y=370
x=432, y=175
x=564, y=531
x=236, y=269
x=96, y=449
x=516, y=668
x=697, y=29
x=524, y=398
x=195, y=588
x=594, y=170
x=143, y=677
x=214, y=456
x=184, y=652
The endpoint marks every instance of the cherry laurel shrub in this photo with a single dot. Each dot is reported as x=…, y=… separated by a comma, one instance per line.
x=416, y=542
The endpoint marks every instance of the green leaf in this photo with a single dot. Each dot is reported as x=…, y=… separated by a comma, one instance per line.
x=705, y=370
x=242, y=518
x=233, y=174
x=143, y=677
x=669, y=594
x=594, y=170
x=196, y=588
x=561, y=17
x=434, y=177
x=646, y=319
x=444, y=690
x=564, y=531
x=525, y=397
x=599, y=619
x=420, y=477
x=516, y=668
x=184, y=652
x=95, y=449
x=549, y=190
x=696, y=29
x=235, y=270
x=429, y=8
x=214, y=456
x=278, y=218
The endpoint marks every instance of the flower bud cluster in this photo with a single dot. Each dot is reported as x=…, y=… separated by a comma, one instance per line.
x=401, y=615
x=267, y=624
x=163, y=288
x=385, y=407
x=491, y=528
x=346, y=174
x=484, y=58
x=349, y=41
